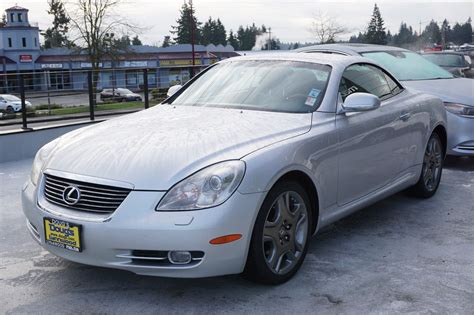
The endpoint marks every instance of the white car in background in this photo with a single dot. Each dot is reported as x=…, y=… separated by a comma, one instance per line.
x=11, y=103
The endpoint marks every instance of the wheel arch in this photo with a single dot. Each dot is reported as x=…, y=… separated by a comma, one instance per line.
x=440, y=130
x=308, y=184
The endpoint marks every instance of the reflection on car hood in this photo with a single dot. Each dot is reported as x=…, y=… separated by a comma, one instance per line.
x=156, y=148
x=457, y=90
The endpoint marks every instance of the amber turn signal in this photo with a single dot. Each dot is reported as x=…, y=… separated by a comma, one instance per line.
x=225, y=239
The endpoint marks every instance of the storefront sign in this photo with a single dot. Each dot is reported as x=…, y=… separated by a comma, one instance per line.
x=26, y=58
x=135, y=64
x=179, y=62
x=52, y=66
x=89, y=64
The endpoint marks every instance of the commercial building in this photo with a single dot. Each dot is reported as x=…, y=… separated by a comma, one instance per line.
x=66, y=69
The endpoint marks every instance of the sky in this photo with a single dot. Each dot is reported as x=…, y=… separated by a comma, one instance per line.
x=290, y=20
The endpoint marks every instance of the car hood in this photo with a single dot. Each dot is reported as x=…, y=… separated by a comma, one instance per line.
x=457, y=90
x=156, y=148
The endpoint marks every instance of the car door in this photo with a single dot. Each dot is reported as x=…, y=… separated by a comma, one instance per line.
x=369, y=146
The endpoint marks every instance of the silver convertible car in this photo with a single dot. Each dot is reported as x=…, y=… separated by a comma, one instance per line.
x=236, y=170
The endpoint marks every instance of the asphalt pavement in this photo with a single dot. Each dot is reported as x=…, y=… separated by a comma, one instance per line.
x=401, y=255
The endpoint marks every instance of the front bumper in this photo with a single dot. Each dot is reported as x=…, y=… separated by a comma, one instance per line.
x=460, y=135
x=136, y=226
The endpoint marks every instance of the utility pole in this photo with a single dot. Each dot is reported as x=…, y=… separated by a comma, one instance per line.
x=191, y=24
x=269, y=38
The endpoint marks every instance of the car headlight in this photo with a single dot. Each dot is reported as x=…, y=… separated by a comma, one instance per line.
x=207, y=188
x=459, y=109
x=40, y=159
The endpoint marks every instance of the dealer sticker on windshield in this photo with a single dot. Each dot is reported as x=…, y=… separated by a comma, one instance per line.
x=312, y=97
x=62, y=234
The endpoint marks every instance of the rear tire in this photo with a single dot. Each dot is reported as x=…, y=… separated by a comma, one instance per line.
x=432, y=169
x=281, y=235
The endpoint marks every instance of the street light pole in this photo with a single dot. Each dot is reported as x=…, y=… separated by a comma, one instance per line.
x=269, y=38
x=191, y=23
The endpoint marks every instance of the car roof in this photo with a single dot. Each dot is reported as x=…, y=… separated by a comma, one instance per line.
x=350, y=48
x=327, y=59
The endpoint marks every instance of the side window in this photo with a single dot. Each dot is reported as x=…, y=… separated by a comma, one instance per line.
x=365, y=79
x=394, y=87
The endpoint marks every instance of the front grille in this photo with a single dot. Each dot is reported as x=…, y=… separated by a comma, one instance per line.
x=93, y=197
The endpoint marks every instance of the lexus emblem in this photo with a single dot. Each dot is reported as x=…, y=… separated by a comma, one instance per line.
x=71, y=195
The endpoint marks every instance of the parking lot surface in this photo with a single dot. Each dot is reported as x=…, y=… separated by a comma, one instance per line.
x=400, y=255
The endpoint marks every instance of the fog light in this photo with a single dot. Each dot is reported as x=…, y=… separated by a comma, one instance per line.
x=179, y=257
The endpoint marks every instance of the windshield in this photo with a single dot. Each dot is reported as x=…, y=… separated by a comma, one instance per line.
x=407, y=66
x=446, y=60
x=285, y=86
x=11, y=98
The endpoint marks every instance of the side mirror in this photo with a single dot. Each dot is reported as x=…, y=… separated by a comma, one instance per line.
x=172, y=90
x=360, y=102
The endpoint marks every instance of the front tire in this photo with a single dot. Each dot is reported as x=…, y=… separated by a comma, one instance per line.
x=432, y=169
x=281, y=234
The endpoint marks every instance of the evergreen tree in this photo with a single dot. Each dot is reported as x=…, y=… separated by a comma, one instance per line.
x=56, y=36
x=296, y=46
x=136, y=41
x=166, y=42
x=220, y=33
x=445, y=32
x=4, y=20
x=213, y=32
x=231, y=40
x=432, y=33
x=376, y=30
x=121, y=44
x=186, y=22
x=466, y=32
x=404, y=36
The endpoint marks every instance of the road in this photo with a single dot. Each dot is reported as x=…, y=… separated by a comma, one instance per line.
x=401, y=255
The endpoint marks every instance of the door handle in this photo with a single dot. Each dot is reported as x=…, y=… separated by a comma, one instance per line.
x=405, y=116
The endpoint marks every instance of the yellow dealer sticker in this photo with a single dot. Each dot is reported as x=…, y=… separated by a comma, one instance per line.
x=62, y=234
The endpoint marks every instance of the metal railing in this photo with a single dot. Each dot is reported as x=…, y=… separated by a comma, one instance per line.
x=59, y=95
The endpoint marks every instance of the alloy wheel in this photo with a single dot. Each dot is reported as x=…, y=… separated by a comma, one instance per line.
x=432, y=164
x=285, y=232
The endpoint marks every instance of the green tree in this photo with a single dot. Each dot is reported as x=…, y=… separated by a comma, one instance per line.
x=247, y=36
x=166, y=42
x=213, y=32
x=445, y=32
x=56, y=36
x=121, y=43
x=405, y=36
x=3, y=22
x=136, y=41
x=432, y=33
x=186, y=23
x=275, y=44
x=376, y=30
x=466, y=32
x=231, y=40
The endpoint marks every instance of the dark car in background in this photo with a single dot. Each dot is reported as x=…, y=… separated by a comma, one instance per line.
x=417, y=73
x=119, y=95
x=459, y=64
